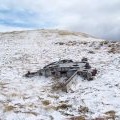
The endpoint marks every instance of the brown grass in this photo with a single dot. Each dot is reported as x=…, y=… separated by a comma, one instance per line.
x=3, y=85
x=27, y=112
x=111, y=115
x=103, y=43
x=8, y=108
x=77, y=118
x=64, y=33
x=63, y=106
x=54, y=96
x=114, y=48
x=83, y=109
x=46, y=102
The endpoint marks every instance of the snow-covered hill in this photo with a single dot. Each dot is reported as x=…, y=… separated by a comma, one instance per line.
x=34, y=99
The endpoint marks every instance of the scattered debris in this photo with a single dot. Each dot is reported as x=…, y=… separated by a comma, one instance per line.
x=68, y=69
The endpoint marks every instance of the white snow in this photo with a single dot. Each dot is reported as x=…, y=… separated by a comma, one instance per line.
x=22, y=98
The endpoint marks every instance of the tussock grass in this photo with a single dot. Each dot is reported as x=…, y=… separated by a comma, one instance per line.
x=111, y=115
x=76, y=118
x=114, y=47
x=54, y=96
x=8, y=108
x=83, y=109
x=64, y=33
x=63, y=106
x=3, y=85
x=46, y=102
x=28, y=112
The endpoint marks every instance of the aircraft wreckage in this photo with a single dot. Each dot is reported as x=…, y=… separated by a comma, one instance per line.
x=67, y=69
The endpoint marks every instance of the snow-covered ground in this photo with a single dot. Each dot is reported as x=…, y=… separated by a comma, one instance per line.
x=34, y=99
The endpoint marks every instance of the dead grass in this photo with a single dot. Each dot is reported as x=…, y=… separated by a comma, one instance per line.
x=50, y=107
x=3, y=85
x=54, y=96
x=114, y=48
x=66, y=101
x=103, y=43
x=14, y=94
x=46, y=102
x=91, y=52
x=63, y=106
x=28, y=112
x=72, y=43
x=18, y=94
x=83, y=109
x=99, y=118
x=64, y=33
x=8, y=108
x=60, y=106
x=110, y=115
x=56, y=86
x=60, y=43
x=77, y=118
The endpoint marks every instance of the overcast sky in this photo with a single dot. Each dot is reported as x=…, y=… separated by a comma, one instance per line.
x=100, y=18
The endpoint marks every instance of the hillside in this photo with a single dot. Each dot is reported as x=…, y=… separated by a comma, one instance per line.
x=34, y=99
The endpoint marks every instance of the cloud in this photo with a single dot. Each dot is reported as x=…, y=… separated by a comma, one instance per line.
x=99, y=18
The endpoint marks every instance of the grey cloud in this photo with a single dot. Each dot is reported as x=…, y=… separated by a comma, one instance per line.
x=99, y=18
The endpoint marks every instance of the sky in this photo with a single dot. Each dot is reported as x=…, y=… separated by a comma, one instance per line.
x=100, y=18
